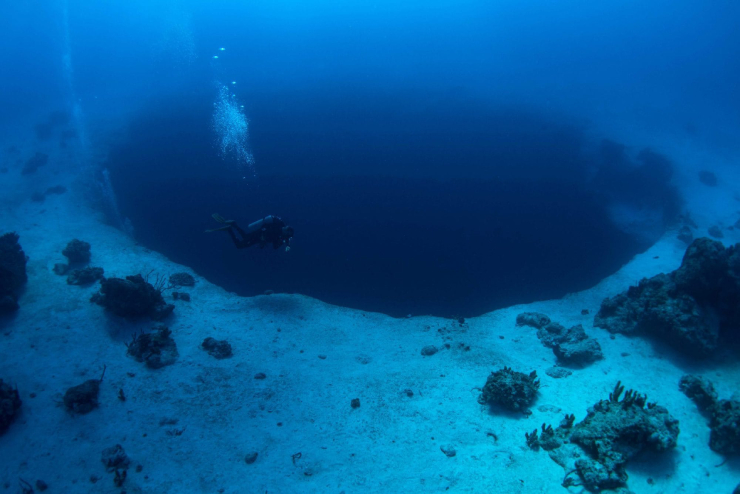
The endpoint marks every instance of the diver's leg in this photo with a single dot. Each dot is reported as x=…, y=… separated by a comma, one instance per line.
x=234, y=238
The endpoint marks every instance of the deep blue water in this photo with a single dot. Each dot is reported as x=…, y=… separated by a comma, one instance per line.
x=408, y=220
x=434, y=157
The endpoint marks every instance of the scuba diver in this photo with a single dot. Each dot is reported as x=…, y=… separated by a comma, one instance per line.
x=268, y=230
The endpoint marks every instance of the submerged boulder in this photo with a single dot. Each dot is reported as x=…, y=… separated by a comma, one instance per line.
x=572, y=346
x=85, y=276
x=724, y=415
x=533, y=319
x=509, y=389
x=219, y=349
x=598, y=448
x=132, y=297
x=10, y=403
x=12, y=272
x=156, y=349
x=691, y=308
x=83, y=398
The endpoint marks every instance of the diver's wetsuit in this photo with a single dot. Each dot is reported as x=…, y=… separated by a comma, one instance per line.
x=269, y=229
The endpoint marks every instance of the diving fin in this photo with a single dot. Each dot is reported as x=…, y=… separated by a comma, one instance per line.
x=227, y=223
x=221, y=219
x=218, y=229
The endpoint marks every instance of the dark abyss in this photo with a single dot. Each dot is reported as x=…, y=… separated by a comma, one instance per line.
x=403, y=204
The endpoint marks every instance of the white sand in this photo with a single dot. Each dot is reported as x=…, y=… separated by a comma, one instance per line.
x=390, y=444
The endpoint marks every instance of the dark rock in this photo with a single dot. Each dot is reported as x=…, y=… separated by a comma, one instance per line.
x=708, y=178
x=703, y=268
x=156, y=349
x=182, y=279
x=181, y=296
x=533, y=319
x=724, y=422
x=690, y=308
x=510, y=389
x=656, y=307
x=596, y=477
x=725, y=428
x=584, y=312
x=132, y=297
x=715, y=231
x=700, y=391
x=77, y=251
x=115, y=458
x=355, y=403
x=251, y=457
x=61, y=269
x=578, y=352
x=12, y=272
x=448, y=450
x=571, y=346
x=41, y=485
x=83, y=398
x=219, y=349
x=558, y=372
x=34, y=163
x=429, y=350
x=685, y=235
x=625, y=428
x=612, y=433
x=85, y=276
x=10, y=403
x=260, y=375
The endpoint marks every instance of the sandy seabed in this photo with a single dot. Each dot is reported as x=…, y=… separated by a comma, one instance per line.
x=188, y=427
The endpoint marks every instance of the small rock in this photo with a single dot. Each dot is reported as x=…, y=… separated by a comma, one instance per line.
x=260, y=375
x=533, y=319
x=41, y=485
x=322, y=357
x=85, y=276
x=355, y=403
x=448, y=450
x=251, y=457
x=77, y=251
x=219, y=349
x=61, y=268
x=114, y=458
x=84, y=397
x=429, y=350
x=182, y=279
x=715, y=231
x=558, y=372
